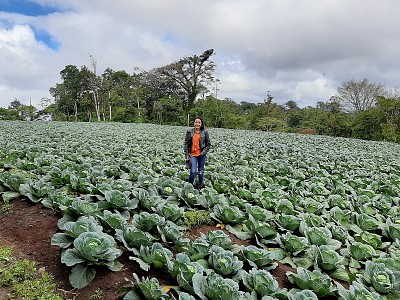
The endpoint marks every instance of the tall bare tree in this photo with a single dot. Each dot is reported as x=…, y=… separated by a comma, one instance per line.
x=192, y=74
x=356, y=96
x=95, y=86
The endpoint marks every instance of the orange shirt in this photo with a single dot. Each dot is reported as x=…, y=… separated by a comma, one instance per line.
x=195, y=145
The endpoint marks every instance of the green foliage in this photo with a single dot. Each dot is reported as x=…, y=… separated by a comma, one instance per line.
x=147, y=288
x=22, y=278
x=39, y=288
x=15, y=271
x=366, y=125
x=197, y=218
x=97, y=295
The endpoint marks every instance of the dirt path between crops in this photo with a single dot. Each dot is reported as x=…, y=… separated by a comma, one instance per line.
x=28, y=228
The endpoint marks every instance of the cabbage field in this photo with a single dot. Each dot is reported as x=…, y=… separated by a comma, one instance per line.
x=327, y=207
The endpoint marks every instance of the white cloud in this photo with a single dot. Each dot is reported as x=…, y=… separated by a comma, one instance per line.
x=297, y=50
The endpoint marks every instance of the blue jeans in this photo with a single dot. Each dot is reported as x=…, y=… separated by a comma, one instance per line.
x=198, y=163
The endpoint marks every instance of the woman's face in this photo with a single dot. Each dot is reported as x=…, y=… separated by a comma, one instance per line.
x=197, y=124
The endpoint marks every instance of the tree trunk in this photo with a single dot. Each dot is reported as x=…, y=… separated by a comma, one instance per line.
x=76, y=111
x=96, y=105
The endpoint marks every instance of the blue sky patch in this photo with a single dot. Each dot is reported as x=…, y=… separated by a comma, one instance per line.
x=25, y=7
x=169, y=38
x=45, y=37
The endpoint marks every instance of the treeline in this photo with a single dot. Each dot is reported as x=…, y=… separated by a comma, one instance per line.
x=175, y=93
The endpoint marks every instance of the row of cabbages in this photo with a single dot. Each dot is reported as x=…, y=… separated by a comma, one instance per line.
x=330, y=213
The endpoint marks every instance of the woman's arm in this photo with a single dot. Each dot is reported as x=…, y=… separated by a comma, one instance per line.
x=187, y=144
x=208, y=144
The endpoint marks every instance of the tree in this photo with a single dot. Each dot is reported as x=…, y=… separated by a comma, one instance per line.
x=290, y=105
x=389, y=113
x=48, y=110
x=366, y=125
x=7, y=114
x=247, y=107
x=68, y=93
x=151, y=86
x=267, y=114
x=15, y=105
x=95, y=86
x=332, y=106
x=169, y=110
x=119, y=90
x=191, y=74
x=219, y=113
x=14, y=111
x=356, y=96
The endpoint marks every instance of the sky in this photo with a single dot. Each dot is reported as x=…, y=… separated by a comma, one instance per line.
x=298, y=50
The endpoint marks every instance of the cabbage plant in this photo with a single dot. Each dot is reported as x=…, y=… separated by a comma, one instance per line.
x=148, y=222
x=358, y=291
x=215, y=287
x=224, y=262
x=293, y=243
x=13, y=181
x=340, y=216
x=319, y=236
x=90, y=249
x=73, y=230
x=172, y=233
x=133, y=237
x=369, y=238
x=170, y=211
x=259, y=229
x=219, y=238
x=315, y=281
x=367, y=223
x=384, y=276
x=120, y=200
x=289, y=222
x=391, y=229
x=197, y=249
x=148, y=198
x=155, y=255
x=360, y=251
x=262, y=282
x=146, y=289
x=302, y=295
x=227, y=214
x=82, y=207
x=35, y=190
x=183, y=269
x=327, y=258
x=114, y=220
x=256, y=257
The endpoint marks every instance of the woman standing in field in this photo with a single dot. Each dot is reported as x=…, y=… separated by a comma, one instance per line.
x=197, y=144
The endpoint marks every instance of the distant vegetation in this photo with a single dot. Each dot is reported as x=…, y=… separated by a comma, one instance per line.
x=175, y=93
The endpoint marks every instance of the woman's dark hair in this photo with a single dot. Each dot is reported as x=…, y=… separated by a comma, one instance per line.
x=202, y=122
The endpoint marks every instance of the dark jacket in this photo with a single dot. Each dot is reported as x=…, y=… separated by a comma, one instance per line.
x=205, y=142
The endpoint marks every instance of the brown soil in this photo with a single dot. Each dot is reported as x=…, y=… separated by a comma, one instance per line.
x=28, y=228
